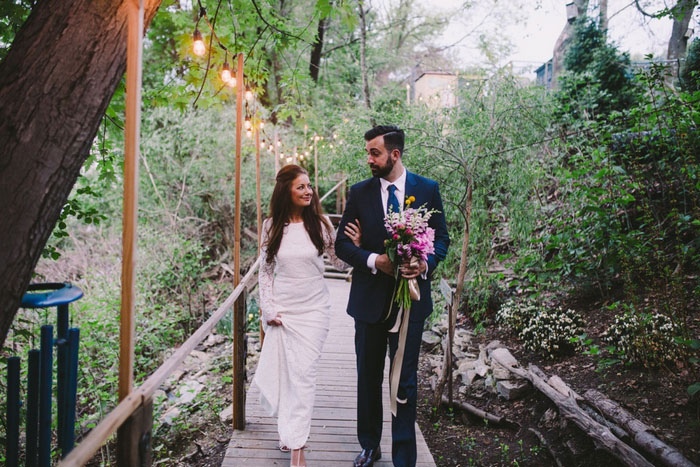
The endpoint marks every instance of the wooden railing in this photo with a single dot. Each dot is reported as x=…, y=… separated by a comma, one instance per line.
x=134, y=413
x=139, y=396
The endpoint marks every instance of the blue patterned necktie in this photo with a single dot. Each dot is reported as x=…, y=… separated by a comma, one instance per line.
x=393, y=202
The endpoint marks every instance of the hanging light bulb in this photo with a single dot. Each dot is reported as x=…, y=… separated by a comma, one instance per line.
x=231, y=82
x=226, y=73
x=247, y=124
x=198, y=46
x=249, y=134
x=249, y=95
x=289, y=159
x=279, y=143
x=301, y=158
x=331, y=146
x=262, y=125
x=262, y=145
x=270, y=148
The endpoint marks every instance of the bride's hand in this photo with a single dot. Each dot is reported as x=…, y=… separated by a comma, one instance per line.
x=354, y=232
x=275, y=322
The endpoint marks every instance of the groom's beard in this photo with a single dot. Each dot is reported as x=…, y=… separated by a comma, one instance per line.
x=381, y=172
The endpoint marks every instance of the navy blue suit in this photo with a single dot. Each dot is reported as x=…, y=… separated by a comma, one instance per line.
x=370, y=303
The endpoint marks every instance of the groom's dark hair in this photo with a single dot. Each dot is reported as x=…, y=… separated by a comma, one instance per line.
x=393, y=136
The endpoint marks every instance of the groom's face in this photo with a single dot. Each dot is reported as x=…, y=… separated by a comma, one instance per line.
x=380, y=161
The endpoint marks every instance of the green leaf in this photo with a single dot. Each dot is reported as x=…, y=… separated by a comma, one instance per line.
x=693, y=389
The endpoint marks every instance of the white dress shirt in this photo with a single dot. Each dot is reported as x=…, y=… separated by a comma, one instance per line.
x=400, y=184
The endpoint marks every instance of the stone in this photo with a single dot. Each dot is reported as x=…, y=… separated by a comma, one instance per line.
x=499, y=372
x=469, y=376
x=504, y=356
x=226, y=415
x=214, y=339
x=481, y=369
x=430, y=338
x=465, y=364
x=170, y=415
x=493, y=345
x=189, y=391
x=198, y=354
x=511, y=390
x=490, y=384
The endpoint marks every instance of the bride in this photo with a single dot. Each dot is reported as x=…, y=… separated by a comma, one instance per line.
x=295, y=306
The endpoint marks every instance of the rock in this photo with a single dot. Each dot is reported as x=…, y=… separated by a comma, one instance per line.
x=511, y=390
x=465, y=364
x=462, y=338
x=170, y=415
x=214, y=339
x=490, y=384
x=481, y=369
x=469, y=376
x=189, y=391
x=198, y=354
x=499, y=372
x=504, y=356
x=226, y=415
x=430, y=338
x=160, y=395
x=493, y=345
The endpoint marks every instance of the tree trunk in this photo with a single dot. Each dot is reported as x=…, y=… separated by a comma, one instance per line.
x=55, y=84
x=363, y=56
x=677, y=44
x=317, y=50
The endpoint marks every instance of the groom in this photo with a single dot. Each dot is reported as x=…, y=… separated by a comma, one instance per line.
x=372, y=288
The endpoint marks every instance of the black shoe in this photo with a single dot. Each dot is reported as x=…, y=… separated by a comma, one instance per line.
x=368, y=457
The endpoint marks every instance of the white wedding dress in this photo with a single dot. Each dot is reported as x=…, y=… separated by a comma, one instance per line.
x=293, y=289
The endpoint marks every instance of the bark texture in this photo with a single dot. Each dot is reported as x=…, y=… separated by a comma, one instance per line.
x=678, y=43
x=363, y=56
x=317, y=50
x=55, y=84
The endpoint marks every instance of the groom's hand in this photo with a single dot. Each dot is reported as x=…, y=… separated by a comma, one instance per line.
x=384, y=265
x=411, y=270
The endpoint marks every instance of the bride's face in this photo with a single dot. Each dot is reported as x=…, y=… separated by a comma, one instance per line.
x=301, y=191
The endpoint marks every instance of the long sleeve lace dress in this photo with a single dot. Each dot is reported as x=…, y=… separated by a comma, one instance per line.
x=292, y=288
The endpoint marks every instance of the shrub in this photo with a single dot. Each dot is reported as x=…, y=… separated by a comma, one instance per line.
x=550, y=332
x=644, y=338
x=689, y=74
x=547, y=331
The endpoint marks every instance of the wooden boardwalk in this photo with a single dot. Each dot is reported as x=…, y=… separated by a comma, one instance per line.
x=333, y=439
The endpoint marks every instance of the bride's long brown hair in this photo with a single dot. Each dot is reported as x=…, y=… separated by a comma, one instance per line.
x=281, y=210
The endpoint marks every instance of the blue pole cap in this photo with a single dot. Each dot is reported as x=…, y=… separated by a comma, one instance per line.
x=50, y=294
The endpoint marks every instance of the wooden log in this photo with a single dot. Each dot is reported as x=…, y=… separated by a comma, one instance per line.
x=640, y=432
x=569, y=409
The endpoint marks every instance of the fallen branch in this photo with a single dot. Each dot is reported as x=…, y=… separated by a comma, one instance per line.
x=492, y=418
x=569, y=409
x=640, y=432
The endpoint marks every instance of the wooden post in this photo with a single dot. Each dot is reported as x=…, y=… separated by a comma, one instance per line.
x=238, y=312
x=134, y=437
x=257, y=184
x=131, y=147
x=338, y=201
x=127, y=437
x=239, y=360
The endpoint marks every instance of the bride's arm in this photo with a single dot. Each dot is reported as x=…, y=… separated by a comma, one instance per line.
x=266, y=277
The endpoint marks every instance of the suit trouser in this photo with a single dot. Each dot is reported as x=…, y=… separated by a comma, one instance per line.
x=371, y=340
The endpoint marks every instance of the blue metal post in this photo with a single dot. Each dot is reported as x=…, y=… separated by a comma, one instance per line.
x=32, y=408
x=72, y=390
x=62, y=352
x=12, y=450
x=45, y=386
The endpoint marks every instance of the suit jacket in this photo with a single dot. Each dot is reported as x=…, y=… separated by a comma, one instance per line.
x=370, y=294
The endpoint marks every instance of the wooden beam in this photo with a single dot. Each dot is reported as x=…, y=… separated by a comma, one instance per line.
x=237, y=315
x=257, y=183
x=82, y=453
x=131, y=176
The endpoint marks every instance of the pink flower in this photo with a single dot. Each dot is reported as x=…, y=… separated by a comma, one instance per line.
x=396, y=236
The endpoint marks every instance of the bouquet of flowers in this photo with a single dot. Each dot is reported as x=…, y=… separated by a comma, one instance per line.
x=410, y=240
